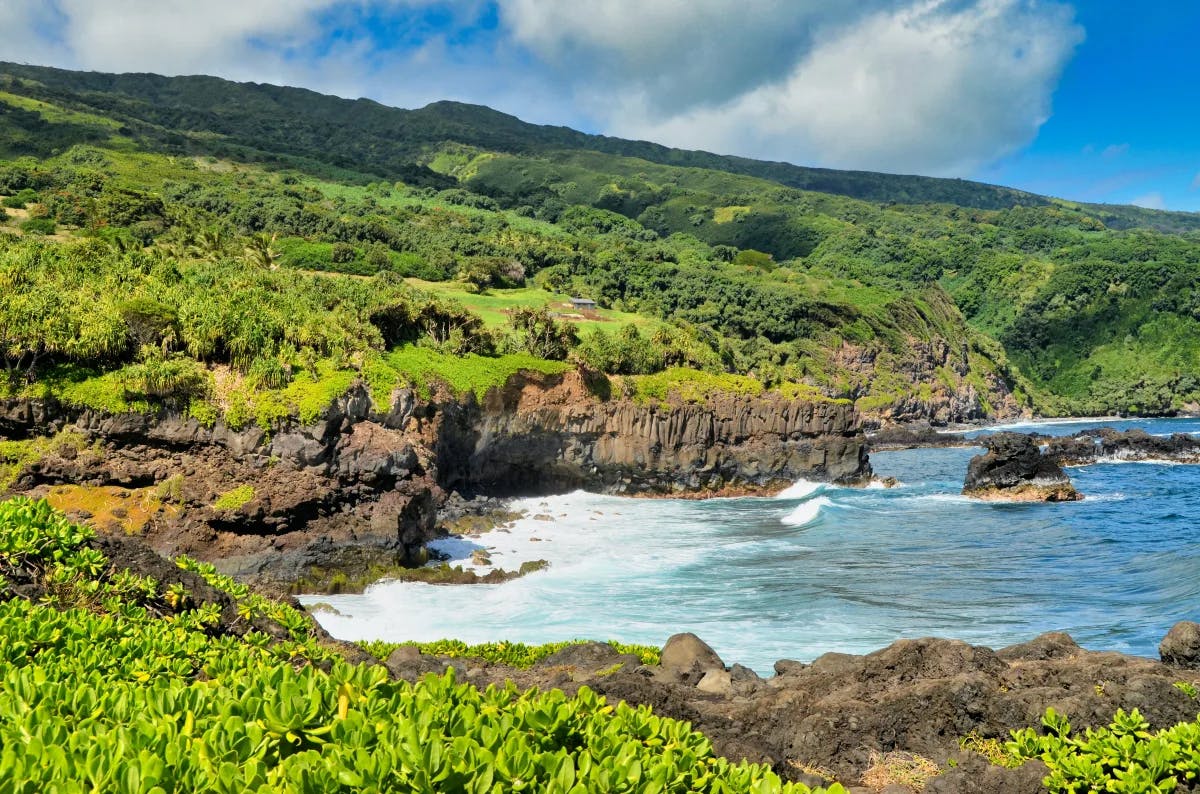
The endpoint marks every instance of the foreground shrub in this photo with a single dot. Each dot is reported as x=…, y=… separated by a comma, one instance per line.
x=1125, y=757
x=115, y=682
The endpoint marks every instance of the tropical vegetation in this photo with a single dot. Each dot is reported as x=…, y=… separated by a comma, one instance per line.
x=876, y=289
x=118, y=682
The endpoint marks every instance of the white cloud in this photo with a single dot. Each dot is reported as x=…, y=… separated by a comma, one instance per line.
x=1151, y=201
x=1115, y=150
x=928, y=87
x=174, y=36
x=1196, y=182
x=286, y=42
x=679, y=52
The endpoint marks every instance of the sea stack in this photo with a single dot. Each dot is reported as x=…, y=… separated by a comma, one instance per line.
x=1014, y=469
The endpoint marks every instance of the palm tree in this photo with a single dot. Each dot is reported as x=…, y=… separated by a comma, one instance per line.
x=260, y=251
x=210, y=244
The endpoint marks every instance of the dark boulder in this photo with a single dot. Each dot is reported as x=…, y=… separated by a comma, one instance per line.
x=591, y=657
x=1051, y=645
x=1181, y=646
x=1014, y=468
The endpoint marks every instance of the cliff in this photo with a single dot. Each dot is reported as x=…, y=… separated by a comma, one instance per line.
x=361, y=487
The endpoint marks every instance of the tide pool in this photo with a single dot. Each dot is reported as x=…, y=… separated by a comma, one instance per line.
x=821, y=568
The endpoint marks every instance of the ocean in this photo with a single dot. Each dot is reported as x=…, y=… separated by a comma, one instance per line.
x=822, y=568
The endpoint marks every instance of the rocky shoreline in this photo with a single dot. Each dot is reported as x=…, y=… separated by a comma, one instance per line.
x=935, y=706
x=365, y=487
x=841, y=716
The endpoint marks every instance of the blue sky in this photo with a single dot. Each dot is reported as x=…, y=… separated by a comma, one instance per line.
x=1126, y=115
x=1094, y=100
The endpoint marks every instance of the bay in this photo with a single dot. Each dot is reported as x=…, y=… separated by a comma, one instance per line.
x=823, y=568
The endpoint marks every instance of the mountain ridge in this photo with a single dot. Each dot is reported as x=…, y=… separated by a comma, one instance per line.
x=515, y=134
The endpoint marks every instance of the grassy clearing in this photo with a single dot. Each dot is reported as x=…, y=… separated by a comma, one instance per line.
x=898, y=768
x=56, y=114
x=493, y=305
x=688, y=385
x=422, y=368
x=729, y=214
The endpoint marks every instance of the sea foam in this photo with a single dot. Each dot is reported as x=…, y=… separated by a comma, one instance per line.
x=807, y=512
x=801, y=489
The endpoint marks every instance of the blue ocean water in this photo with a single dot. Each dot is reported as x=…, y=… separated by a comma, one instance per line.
x=823, y=568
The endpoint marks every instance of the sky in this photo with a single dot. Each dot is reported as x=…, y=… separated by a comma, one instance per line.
x=1091, y=100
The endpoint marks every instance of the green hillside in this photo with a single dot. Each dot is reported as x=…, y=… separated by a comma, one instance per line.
x=931, y=296
x=364, y=135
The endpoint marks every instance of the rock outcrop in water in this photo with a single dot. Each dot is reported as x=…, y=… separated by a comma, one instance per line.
x=1014, y=469
x=359, y=489
x=1107, y=444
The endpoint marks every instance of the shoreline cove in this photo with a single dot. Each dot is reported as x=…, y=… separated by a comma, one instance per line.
x=873, y=565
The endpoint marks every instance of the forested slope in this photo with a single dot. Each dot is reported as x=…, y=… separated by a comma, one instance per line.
x=997, y=301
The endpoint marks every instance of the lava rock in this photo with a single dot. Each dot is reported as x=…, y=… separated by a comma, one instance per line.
x=1181, y=646
x=590, y=657
x=1014, y=468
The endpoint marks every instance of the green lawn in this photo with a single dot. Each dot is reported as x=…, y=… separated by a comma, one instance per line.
x=493, y=305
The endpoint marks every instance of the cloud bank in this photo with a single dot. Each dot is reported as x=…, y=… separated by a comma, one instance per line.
x=929, y=86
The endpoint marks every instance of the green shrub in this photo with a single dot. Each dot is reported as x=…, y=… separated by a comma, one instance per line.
x=20, y=200
x=38, y=226
x=1125, y=757
x=512, y=654
x=268, y=372
x=157, y=377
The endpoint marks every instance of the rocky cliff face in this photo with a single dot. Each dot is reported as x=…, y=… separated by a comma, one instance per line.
x=547, y=434
x=364, y=483
x=933, y=381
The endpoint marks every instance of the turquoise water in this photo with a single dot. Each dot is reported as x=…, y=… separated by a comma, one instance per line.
x=831, y=569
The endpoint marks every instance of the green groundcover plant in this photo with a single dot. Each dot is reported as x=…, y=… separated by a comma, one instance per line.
x=1125, y=757
x=115, y=682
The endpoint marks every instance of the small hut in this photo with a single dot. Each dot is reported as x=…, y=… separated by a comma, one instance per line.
x=582, y=304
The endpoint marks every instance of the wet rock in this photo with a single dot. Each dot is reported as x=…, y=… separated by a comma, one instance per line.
x=1181, y=646
x=1014, y=469
x=1107, y=443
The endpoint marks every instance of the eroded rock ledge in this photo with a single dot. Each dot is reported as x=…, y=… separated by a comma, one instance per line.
x=1107, y=444
x=362, y=486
